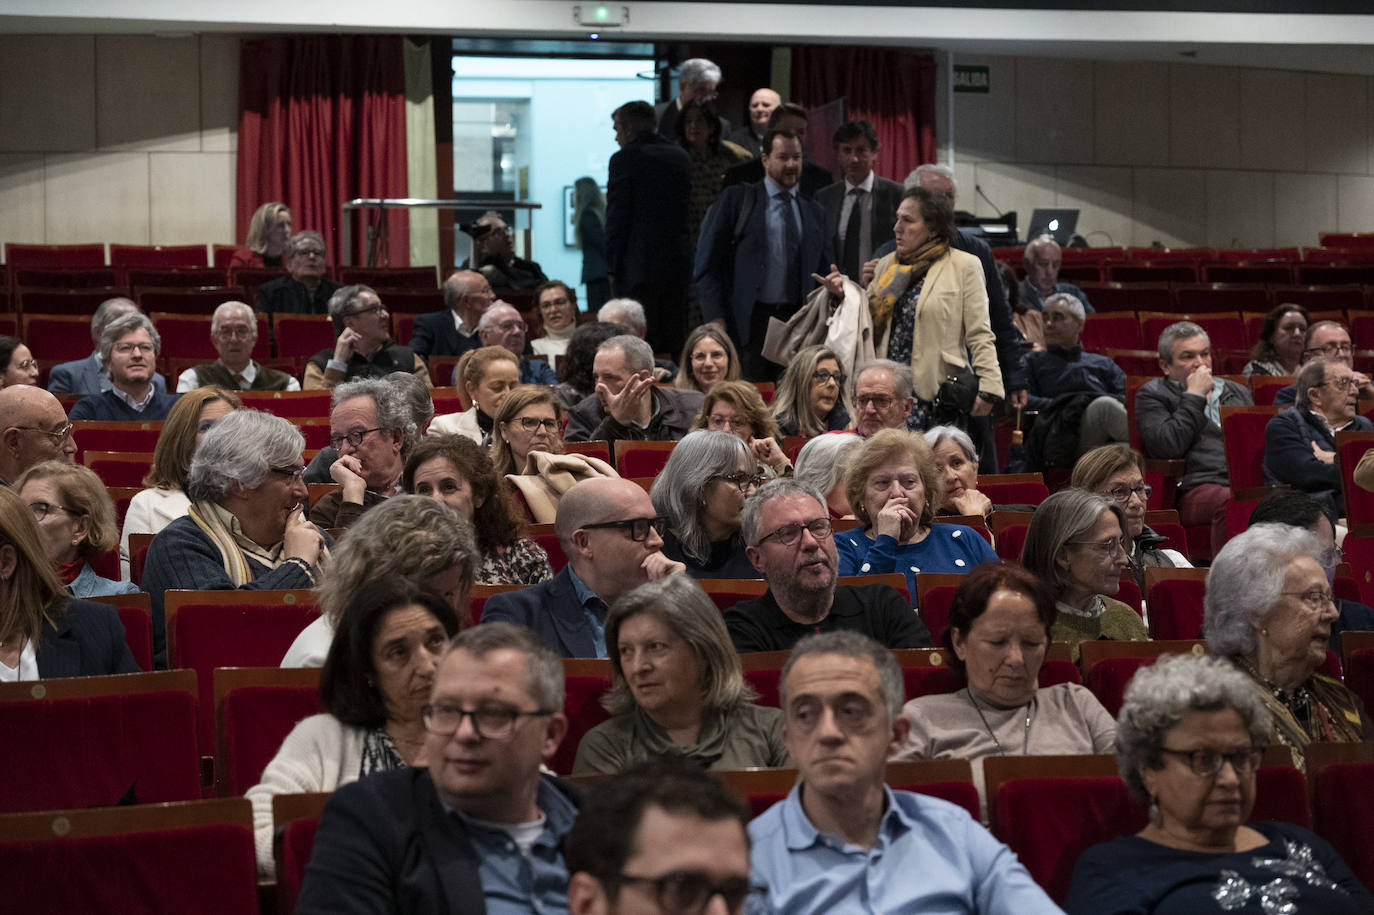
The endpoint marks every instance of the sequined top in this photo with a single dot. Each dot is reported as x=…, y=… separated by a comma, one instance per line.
x=1294, y=873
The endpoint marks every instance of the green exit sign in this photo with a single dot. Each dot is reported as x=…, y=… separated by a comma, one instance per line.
x=971, y=79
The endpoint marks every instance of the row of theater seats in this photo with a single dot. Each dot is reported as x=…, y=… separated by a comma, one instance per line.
x=1228, y=331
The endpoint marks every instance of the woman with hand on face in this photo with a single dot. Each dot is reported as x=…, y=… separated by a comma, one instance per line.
x=1189, y=739
x=376, y=679
x=1281, y=340
x=701, y=491
x=957, y=461
x=811, y=396
x=707, y=358
x=1076, y=544
x=999, y=631
x=487, y=373
x=736, y=407
x=17, y=365
x=677, y=687
x=893, y=488
x=75, y=520
x=558, y=312
x=1116, y=472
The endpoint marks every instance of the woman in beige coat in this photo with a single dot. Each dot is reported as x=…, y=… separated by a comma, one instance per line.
x=930, y=306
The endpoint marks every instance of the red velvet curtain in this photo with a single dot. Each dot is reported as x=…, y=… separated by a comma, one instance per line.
x=892, y=88
x=322, y=120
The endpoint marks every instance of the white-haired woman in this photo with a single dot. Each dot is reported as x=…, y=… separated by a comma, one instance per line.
x=957, y=461
x=1189, y=738
x=1269, y=610
x=677, y=687
x=246, y=526
x=701, y=492
x=822, y=463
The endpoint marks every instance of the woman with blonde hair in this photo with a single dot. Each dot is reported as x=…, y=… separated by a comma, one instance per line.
x=738, y=408
x=44, y=632
x=708, y=357
x=76, y=523
x=486, y=375
x=529, y=419
x=811, y=397
x=268, y=231
x=165, y=500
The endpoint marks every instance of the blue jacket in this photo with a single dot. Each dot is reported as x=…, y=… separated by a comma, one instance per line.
x=552, y=610
x=108, y=408
x=435, y=334
x=1063, y=371
x=86, y=376
x=87, y=640
x=729, y=276
x=1288, y=457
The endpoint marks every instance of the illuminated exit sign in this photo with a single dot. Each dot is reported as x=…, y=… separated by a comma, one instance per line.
x=971, y=79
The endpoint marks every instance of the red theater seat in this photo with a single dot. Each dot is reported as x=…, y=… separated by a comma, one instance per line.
x=585, y=682
x=1174, y=597
x=641, y=459
x=295, y=817
x=255, y=709
x=157, y=256
x=119, y=468
x=136, y=613
x=1340, y=775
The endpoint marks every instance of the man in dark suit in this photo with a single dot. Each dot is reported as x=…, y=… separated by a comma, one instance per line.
x=613, y=540
x=648, y=256
x=760, y=245
x=480, y=827
x=761, y=106
x=813, y=177
x=697, y=81
x=861, y=208
x=453, y=331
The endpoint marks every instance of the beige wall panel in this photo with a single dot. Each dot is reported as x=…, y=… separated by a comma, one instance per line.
x=1103, y=197
x=147, y=93
x=1336, y=127
x=984, y=125
x=192, y=198
x=1054, y=100
x=1354, y=204
x=1130, y=113
x=47, y=93
x=21, y=199
x=97, y=197
x=966, y=176
x=1011, y=187
x=1270, y=105
x=219, y=92
x=1240, y=209
x=1204, y=117
x=1303, y=206
x=1170, y=206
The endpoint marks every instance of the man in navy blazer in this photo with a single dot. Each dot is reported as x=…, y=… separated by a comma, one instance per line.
x=648, y=248
x=89, y=375
x=760, y=245
x=453, y=331
x=479, y=826
x=613, y=540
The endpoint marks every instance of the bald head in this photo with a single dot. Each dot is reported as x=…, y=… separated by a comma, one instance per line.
x=609, y=560
x=592, y=501
x=33, y=430
x=468, y=293
x=761, y=105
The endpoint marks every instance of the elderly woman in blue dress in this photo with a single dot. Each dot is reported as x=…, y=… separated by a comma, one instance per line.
x=1189, y=738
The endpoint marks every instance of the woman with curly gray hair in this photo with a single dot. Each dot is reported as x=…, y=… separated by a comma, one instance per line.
x=1269, y=610
x=701, y=492
x=677, y=687
x=1189, y=738
x=246, y=526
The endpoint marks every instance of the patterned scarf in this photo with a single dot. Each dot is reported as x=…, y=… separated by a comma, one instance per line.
x=1319, y=709
x=896, y=274
x=220, y=525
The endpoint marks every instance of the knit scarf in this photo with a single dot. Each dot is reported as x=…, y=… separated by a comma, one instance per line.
x=896, y=276
x=220, y=525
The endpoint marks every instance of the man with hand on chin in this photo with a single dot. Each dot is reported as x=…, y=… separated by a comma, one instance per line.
x=371, y=430
x=363, y=348
x=626, y=404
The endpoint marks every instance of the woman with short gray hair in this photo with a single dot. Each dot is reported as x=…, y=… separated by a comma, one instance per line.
x=1076, y=544
x=1190, y=736
x=957, y=461
x=1268, y=610
x=701, y=491
x=677, y=687
x=822, y=464
x=246, y=526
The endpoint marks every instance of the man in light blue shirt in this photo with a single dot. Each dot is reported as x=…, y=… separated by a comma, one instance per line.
x=842, y=841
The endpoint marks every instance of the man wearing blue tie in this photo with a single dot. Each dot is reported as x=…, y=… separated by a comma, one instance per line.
x=759, y=245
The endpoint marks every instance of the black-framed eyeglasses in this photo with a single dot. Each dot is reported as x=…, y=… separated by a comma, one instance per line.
x=789, y=534
x=637, y=528
x=58, y=435
x=531, y=423
x=1207, y=763
x=366, y=311
x=1122, y=494
x=824, y=376
x=294, y=474
x=490, y=722
x=744, y=480
x=354, y=438
x=1331, y=349
x=689, y=892
x=41, y=510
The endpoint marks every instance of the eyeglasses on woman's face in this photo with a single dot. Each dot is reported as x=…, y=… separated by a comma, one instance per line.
x=742, y=479
x=1206, y=762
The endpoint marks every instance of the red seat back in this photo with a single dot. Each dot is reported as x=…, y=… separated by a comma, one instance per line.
x=1027, y=493
x=641, y=459
x=58, y=337
x=1242, y=432
x=96, y=435
x=1345, y=813
x=138, y=634
x=1011, y=540
x=1109, y=678
x=1176, y=608
x=297, y=841
x=1359, y=503
x=582, y=704
x=1359, y=674
x=255, y=719
x=82, y=301
x=301, y=335
x=1281, y=795
x=157, y=256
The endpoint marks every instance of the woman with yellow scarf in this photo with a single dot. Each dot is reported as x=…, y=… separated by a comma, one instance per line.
x=930, y=311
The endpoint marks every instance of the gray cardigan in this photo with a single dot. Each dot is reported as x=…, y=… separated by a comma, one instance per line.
x=1173, y=424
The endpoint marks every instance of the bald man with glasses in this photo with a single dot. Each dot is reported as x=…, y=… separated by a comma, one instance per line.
x=613, y=539
x=33, y=428
x=788, y=538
